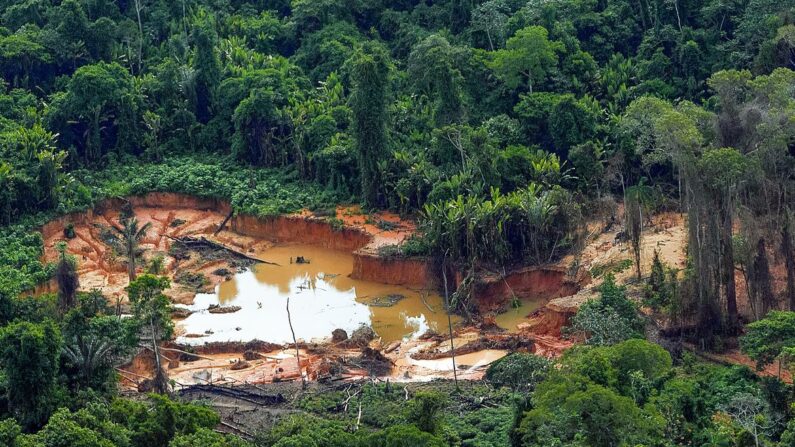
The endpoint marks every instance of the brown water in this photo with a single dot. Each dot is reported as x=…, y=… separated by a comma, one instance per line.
x=516, y=315
x=322, y=298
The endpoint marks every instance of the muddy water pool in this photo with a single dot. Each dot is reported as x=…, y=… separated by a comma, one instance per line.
x=517, y=314
x=322, y=298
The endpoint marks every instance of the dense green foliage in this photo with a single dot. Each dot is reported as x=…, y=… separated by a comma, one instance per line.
x=504, y=125
x=610, y=319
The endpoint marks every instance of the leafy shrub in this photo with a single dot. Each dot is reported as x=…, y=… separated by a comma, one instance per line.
x=608, y=320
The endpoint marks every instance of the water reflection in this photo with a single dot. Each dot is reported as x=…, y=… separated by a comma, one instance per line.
x=322, y=298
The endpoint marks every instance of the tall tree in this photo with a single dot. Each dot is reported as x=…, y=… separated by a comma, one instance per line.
x=528, y=56
x=153, y=310
x=206, y=64
x=131, y=236
x=724, y=171
x=29, y=354
x=491, y=18
x=432, y=68
x=370, y=74
x=636, y=206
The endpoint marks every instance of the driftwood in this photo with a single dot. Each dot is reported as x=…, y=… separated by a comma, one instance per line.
x=189, y=241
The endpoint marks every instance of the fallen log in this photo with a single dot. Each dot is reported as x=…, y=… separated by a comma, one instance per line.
x=223, y=224
x=195, y=241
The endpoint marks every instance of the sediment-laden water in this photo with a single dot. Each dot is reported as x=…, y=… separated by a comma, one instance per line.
x=322, y=298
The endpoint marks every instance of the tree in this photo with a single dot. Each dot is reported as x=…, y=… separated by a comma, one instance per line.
x=608, y=320
x=67, y=278
x=432, y=68
x=98, y=111
x=9, y=432
x=571, y=412
x=370, y=72
x=424, y=410
x=131, y=236
x=259, y=127
x=95, y=340
x=491, y=18
x=789, y=260
x=725, y=170
x=519, y=371
x=401, y=436
x=528, y=55
x=572, y=122
x=765, y=339
x=29, y=354
x=153, y=309
x=637, y=201
x=751, y=413
x=206, y=64
x=588, y=161
x=760, y=279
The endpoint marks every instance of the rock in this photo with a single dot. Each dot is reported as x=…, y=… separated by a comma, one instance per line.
x=180, y=313
x=251, y=355
x=216, y=309
x=339, y=336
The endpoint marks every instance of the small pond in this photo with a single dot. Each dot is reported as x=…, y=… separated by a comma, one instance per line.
x=322, y=298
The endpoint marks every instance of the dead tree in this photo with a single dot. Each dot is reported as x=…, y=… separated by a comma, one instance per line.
x=295, y=342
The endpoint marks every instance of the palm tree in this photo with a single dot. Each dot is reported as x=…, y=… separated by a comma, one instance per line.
x=131, y=236
x=88, y=354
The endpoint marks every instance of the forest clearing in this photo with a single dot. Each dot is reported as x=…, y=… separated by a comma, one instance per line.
x=397, y=223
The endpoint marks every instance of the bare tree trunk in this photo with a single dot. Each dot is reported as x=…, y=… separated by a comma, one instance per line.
x=160, y=376
x=728, y=269
x=138, y=8
x=789, y=260
x=131, y=259
x=295, y=342
x=449, y=321
x=761, y=278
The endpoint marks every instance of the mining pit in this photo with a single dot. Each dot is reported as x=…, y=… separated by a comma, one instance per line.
x=356, y=311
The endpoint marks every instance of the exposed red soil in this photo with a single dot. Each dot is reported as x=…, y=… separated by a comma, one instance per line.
x=410, y=272
x=540, y=283
x=174, y=216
